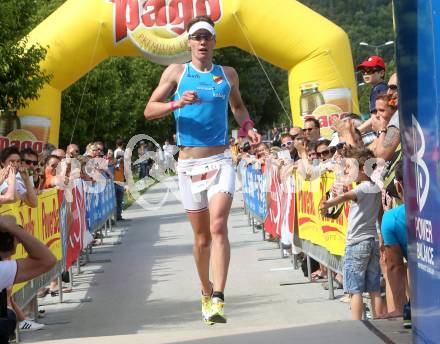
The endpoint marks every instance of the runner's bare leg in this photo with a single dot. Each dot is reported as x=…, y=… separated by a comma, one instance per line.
x=219, y=207
x=202, y=245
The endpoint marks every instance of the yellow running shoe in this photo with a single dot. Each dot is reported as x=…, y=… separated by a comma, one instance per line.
x=217, y=311
x=206, y=309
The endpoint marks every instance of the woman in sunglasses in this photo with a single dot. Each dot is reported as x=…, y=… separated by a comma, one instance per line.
x=200, y=93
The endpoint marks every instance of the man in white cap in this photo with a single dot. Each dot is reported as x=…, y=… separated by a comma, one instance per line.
x=200, y=93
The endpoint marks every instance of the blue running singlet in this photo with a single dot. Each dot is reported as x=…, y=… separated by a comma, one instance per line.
x=204, y=123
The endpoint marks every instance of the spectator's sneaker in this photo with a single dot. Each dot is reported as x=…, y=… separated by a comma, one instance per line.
x=29, y=325
x=407, y=315
x=217, y=311
x=206, y=309
x=346, y=298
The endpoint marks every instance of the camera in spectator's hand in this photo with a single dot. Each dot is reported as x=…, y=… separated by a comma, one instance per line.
x=246, y=147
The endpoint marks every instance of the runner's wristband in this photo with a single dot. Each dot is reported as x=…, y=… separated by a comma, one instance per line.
x=245, y=123
x=173, y=106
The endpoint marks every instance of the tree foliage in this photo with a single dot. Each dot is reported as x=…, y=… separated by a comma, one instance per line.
x=20, y=75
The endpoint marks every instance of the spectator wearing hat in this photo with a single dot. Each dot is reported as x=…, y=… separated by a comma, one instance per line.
x=373, y=73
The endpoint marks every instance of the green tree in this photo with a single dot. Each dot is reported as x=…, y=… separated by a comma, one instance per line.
x=20, y=75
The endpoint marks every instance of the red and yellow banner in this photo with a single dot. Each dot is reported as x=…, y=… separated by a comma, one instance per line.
x=312, y=226
x=309, y=195
x=49, y=221
x=41, y=222
x=334, y=230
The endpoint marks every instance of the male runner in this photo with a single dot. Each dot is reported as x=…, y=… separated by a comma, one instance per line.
x=200, y=93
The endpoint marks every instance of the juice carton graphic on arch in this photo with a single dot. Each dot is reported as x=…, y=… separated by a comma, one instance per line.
x=23, y=131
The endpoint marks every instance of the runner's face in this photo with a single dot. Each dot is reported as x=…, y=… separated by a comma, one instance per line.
x=202, y=44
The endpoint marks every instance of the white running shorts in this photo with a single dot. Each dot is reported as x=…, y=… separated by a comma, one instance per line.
x=200, y=179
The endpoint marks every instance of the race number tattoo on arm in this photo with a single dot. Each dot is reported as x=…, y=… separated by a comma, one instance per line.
x=390, y=137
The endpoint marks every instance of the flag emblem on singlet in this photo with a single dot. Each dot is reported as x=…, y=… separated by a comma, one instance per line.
x=218, y=79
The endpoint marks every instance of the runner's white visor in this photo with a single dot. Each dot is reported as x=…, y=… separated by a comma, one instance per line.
x=201, y=25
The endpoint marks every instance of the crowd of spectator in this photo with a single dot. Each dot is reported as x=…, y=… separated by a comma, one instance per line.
x=365, y=157
x=376, y=233
x=23, y=175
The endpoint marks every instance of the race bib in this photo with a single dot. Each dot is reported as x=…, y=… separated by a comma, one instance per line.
x=202, y=176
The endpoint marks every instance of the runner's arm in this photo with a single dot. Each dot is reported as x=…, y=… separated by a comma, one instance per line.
x=239, y=110
x=157, y=107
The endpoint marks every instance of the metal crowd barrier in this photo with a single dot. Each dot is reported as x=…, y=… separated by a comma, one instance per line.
x=333, y=263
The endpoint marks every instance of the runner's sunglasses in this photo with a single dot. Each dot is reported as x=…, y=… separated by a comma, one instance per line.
x=201, y=37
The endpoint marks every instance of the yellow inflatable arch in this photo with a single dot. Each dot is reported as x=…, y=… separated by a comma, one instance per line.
x=82, y=33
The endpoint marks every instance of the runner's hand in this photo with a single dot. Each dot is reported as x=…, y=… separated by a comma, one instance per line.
x=188, y=98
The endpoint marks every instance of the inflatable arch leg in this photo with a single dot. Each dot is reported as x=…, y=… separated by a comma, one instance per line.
x=315, y=52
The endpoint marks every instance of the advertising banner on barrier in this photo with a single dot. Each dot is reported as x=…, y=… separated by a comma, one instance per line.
x=297, y=200
x=60, y=225
x=41, y=222
x=253, y=186
x=288, y=211
x=49, y=220
x=308, y=196
x=100, y=202
x=75, y=225
x=273, y=221
x=12, y=209
x=26, y=217
x=418, y=63
x=334, y=229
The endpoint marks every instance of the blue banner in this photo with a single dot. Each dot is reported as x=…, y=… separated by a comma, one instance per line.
x=418, y=61
x=100, y=202
x=254, y=193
